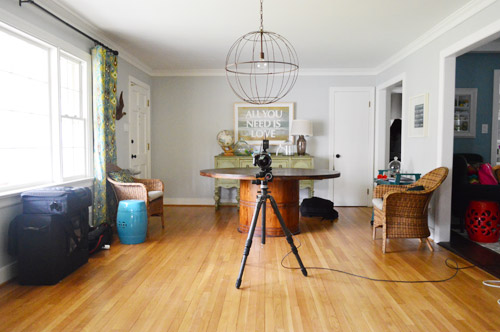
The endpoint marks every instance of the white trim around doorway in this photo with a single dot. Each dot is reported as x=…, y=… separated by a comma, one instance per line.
x=131, y=82
x=495, y=113
x=447, y=68
x=382, y=120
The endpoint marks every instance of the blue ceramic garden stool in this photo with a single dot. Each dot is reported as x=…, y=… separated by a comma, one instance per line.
x=132, y=221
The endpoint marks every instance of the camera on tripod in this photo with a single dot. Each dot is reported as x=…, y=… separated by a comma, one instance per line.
x=264, y=161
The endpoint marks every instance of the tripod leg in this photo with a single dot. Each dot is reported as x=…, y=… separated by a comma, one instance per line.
x=288, y=234
x=248, y=244
x=263, y=240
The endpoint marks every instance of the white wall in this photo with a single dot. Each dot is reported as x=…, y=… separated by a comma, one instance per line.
x=188, y=112
x=32, y=20
x=422, y=69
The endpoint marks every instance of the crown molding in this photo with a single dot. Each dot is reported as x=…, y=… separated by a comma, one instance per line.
x=74, y=18
x=337, y=72
x=457, y=17
x=302, y=72
x=188, y=72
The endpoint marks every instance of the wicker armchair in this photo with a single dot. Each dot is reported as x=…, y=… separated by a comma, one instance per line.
x=402, y=213
x=147, y=190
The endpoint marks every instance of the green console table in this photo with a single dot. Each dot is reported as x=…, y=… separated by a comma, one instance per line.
x=279, y=161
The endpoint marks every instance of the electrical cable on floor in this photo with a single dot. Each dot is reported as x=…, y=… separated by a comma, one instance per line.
x=456, y=268
x=492, y=283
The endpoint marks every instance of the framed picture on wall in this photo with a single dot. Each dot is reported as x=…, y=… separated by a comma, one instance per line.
x=418, y=116
x=253, y=123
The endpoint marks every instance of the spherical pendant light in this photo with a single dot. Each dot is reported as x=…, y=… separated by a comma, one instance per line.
x=261, y=66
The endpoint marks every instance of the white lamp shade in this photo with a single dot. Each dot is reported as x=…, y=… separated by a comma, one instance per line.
x=301, y=127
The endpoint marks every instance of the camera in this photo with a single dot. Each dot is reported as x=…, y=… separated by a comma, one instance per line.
x=264, y=161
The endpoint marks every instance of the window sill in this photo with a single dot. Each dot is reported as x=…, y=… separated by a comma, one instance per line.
x=13, y=197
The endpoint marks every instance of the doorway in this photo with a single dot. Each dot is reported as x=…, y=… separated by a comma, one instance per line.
x=390, y=107
x=139, y=128
x=447, y=80
x=445, y=133
x=396, y=118
x=351, y=145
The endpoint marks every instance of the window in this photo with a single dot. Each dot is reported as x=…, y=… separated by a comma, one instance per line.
x=43, y=113
x=73, y=117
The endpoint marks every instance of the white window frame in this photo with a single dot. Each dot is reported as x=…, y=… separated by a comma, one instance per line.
x=86, y=112
x=57, y=48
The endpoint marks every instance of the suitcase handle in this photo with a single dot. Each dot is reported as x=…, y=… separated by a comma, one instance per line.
x=55, y=206
x=35, y=229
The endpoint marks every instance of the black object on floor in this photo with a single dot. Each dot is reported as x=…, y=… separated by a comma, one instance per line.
x=99, y=236
x=484, y=258
x=50, y=239
x=318, y=207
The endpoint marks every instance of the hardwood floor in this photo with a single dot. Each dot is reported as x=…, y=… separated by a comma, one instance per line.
x=182, y=279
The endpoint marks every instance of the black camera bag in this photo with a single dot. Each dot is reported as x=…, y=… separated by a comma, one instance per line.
x=318, y=207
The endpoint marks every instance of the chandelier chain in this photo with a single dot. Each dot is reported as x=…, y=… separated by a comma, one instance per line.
x=261, y=16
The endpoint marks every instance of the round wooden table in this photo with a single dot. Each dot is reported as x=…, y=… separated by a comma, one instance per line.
x=284, y=188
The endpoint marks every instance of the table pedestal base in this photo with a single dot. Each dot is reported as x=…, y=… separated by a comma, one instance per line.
x=286, y=195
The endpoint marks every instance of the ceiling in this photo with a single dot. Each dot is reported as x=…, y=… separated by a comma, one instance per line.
x=178, y=35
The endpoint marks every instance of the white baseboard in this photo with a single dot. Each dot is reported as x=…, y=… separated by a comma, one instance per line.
x=187, y=201
x=8, y=272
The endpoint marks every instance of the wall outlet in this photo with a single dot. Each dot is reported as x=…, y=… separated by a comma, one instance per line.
x=484, y=128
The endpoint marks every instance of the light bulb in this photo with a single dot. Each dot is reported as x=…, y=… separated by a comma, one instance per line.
x=261, y=65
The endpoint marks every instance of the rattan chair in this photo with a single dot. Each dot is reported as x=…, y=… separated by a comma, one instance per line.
x=402, y=213
x=147, y=190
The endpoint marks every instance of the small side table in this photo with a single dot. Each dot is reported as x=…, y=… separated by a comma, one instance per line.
x=400, y=179
x=132, y=221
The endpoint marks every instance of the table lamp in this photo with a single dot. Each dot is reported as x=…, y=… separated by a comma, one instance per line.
x=301, y=128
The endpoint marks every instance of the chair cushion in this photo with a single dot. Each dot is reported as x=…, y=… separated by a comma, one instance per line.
x=416, y=188
x=121, y=176
x=378, y=203
x=152, y=195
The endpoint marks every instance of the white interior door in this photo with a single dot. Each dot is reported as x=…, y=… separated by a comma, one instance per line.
x=351, y=144
x=139, y=130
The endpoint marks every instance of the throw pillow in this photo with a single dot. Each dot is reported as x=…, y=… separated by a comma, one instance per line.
x=471, y=169
x=416, y=188
x=121, y=176
x=486, y=175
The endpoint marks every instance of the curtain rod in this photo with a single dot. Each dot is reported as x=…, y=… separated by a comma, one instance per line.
x=67, y=24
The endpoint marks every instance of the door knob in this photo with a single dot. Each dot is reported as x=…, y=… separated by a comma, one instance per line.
x=337, y=156
x=132, y=141
x=134, y=156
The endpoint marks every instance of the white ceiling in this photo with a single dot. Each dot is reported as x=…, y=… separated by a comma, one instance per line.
x=197, y=34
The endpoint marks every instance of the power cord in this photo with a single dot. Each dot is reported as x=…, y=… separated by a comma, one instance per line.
x=489, y=283
x=492, y=283
x=456, y=268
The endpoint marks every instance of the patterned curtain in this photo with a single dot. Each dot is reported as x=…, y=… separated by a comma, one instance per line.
x=104, y=72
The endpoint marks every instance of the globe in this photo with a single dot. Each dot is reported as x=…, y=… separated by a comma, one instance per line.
x=225, y=138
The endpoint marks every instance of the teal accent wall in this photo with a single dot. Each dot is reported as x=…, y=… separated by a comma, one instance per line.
x=475, y=70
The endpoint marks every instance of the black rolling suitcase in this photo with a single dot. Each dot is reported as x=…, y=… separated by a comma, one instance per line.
x=57, y=200
x=51, y=236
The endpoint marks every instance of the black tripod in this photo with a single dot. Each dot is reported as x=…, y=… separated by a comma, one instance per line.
x=261, y=204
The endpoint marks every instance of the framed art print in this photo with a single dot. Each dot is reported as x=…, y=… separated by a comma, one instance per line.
x=418, y=116
x=253, y=123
